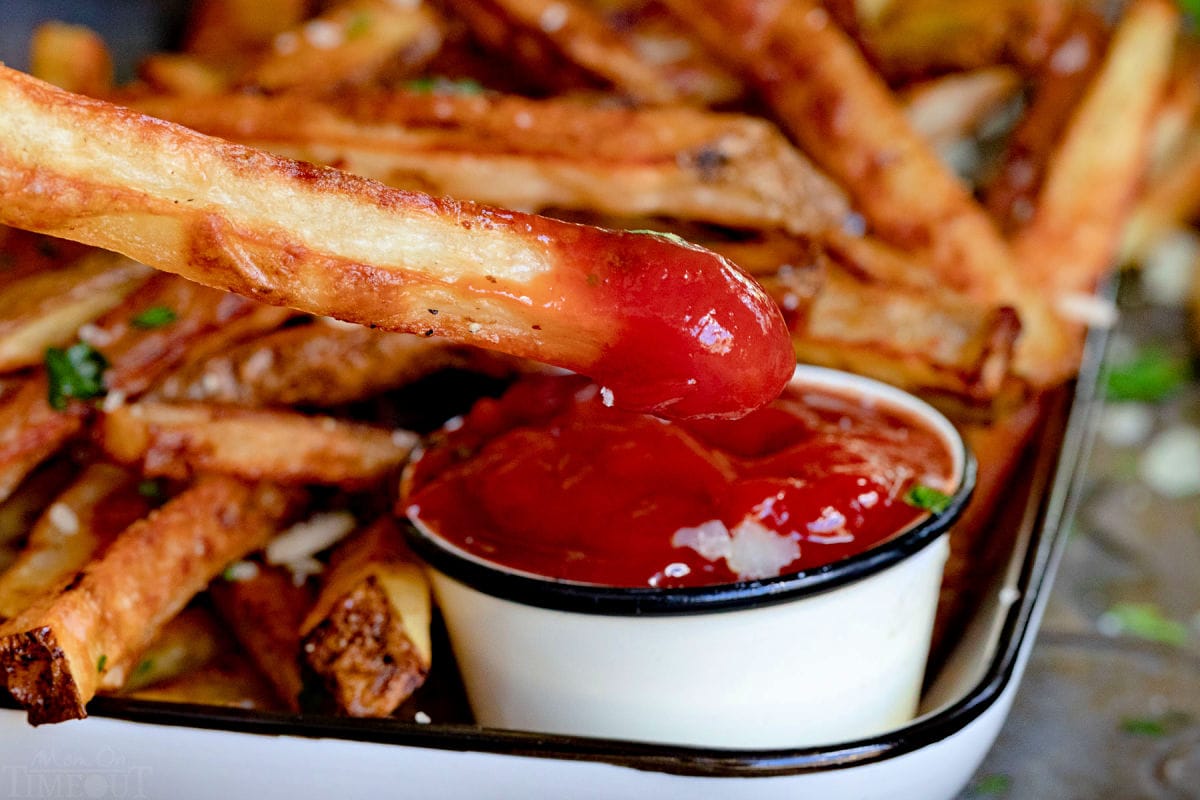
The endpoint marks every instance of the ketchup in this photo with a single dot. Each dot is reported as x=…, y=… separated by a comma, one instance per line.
x=550, y=480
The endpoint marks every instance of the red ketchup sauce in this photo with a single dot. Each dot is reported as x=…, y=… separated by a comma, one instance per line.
x=549, y=480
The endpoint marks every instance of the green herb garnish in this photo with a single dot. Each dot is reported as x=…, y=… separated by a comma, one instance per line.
x=1163, y=725
x=927, y=498
x=154, y=317
x=102, y=663
x=436, y=84
x=1152, y=375
x=144, y=667
x=1146, y=621
x=358, y=25
x=1192, y=9
x=150, y=489
x=989, y=785
x=75, y=372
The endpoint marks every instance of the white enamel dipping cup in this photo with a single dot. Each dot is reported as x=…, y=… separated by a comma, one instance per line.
x=817, y=657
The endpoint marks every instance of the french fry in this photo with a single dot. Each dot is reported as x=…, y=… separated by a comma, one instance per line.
x=264, y=612
x=694, y=165
x=1168, y=203
x=951, y=108
x=1060, y=80
x=180, y=73
x=555, y=38
x=78, y=525
x=45, y=309
x=71, y=57
x=1090, y=183
x=57, y=653
x=367, y=636
x=320, y=365
x=178, y=441
x=353, y=42
x=188, y=640
x=31, y=430
x=187, y=322
x=651, y=32
x=922, y=37
x=228, y=679
x=921, y=339
x=846, y=117
x=21, y=509
x=293, y=234
x=225, y=29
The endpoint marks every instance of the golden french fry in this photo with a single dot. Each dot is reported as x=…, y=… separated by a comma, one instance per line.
x=194, y=321
x=77, y=525
x=654, y=36
x=1090, y=182
x=57, y=653
x=45, y=309
x=188, y=640
x=328, y=242
x=181, y=73
x=353, y=42
x=31, y=430
x=919, y=338
x=232, y=29
x=21, y=510
x=228, y=679
x=554, y=38
x=264, y=611
x=283, y=446
x=922, y=37
x=168, y=321
x=1060, y=80
x=71, y=57
x=368, y=636
x=536, y=154
x=950, y=108
x=1167, y=204
x=845, y=116
x=320, y=365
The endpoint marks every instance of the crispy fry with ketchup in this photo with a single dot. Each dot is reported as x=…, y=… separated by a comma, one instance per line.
x=664, y=326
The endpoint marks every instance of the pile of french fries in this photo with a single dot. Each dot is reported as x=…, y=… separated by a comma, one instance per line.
x=196, y=486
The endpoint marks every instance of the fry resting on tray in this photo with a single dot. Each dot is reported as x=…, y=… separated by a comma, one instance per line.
x=666, y=327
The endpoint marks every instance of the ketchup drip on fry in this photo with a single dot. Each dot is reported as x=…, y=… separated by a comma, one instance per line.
x=551, y=481
x=690, y=334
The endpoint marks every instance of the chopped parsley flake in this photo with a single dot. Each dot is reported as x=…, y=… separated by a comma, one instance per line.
x=154, y=317
x=1145, y=621
x=358, y=25
x=150, y=489
x=144, y=667
x=990, y=785
x=75, y=372
x=101, y=663
x=1159, y=726
x=1152, y=375
x=436, y=84
x=927, y=498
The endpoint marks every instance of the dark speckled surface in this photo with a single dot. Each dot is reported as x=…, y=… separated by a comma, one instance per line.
x=1112, y=710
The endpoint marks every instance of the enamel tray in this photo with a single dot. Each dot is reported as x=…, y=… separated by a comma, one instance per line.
x=140, y=749
x=131, y=748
